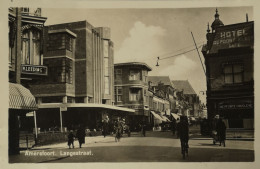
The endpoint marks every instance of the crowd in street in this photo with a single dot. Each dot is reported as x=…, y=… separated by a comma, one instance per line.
x=180, y=128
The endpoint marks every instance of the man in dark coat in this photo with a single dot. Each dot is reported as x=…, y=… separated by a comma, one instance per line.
x=71, y=139
x=183, y=129
x=221, y=132
x=81, y=136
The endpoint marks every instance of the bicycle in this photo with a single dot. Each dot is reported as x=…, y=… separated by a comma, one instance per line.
x=184, y=149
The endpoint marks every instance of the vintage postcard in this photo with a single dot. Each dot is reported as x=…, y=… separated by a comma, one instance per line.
x=123, y=83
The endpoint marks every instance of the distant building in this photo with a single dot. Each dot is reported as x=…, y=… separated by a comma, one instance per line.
x=229, y=60
x=189, y=101
x=164, y=83
x=131, y=90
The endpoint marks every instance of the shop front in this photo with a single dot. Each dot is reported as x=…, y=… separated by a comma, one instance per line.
x=238, y=113
x=21, y=102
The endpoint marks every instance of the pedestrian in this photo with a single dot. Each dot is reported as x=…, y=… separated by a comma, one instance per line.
x=221, y=132
x=81, y=135
x=183, y=130
x=143, y=129
x=71, y=139
x=118, y=130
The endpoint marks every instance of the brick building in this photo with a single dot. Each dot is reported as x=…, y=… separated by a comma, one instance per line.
x=131, y=90
x=80, y=82
x=229, y=60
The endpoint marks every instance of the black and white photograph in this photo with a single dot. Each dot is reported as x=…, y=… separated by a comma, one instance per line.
x=116, y=85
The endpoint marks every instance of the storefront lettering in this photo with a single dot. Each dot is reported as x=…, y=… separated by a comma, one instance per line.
x=32, y=69
x=236, y=106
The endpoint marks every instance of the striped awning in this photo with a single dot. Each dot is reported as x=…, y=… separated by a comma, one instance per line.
x=21, y=98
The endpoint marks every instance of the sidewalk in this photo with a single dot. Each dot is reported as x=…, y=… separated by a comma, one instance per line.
x=88, y=140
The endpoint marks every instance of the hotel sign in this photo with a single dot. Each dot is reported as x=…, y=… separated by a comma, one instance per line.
x=34, y=69
x=233, y=36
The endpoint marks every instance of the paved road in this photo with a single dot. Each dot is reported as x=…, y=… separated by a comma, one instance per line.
x=156, y=147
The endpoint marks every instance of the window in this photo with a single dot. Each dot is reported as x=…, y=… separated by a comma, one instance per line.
x=59, y=41
x=134, y=75
x=233, y=73
x=60, y=70
x=31, y=47
x=118, y=93
x=118, y=73
x=135, y=94
x=106, y=67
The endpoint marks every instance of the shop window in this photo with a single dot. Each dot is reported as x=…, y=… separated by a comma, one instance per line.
x=233, y=73
x=31, y=47
x=134, y=75
x=135, y=94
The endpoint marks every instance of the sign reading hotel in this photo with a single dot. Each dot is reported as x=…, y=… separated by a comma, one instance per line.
x=34, y=69
x=233, y=36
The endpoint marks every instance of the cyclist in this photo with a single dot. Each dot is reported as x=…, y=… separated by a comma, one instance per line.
x=183, y=133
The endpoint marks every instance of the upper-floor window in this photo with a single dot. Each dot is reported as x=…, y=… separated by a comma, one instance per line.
x=233, y=73
x=60, y=71
x=31, y=47
x=118, y=93
x=135, y=94
x=118, y=73
x=134, y=75
x=59, y=41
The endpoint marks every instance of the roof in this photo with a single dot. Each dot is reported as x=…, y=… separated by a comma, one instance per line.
x=162, y=79
x=141, y=64
x=183, y=85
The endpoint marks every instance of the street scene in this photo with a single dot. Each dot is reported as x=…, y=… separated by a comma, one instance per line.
x=131, y=85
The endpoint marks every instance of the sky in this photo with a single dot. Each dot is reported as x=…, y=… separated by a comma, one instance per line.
x=142, y=35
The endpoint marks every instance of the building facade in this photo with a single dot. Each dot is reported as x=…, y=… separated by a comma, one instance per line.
x=131, y=90
x=25, y=64
x=229, y=60
x=80, y=83
x=163, y=83
x=188, y=101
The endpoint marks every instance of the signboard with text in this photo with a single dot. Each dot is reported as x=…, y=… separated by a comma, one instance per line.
x=233, y=36
x=34, y=69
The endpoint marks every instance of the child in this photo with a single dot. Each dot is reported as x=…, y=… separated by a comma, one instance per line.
x=71, y=139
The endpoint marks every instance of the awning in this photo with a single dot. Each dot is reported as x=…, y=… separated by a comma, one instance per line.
x=175, y=116
x=157, y=116
x=83, y=105
x=21, y=98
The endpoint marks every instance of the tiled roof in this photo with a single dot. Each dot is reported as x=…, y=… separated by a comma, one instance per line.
x=156, y=79
x=183, y=85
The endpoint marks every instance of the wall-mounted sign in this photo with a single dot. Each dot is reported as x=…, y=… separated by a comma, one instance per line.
x=34, y=69
x=233, y=36
x=236, y=104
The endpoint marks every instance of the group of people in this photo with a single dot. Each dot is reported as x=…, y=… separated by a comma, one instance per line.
x=183, y=130
x=80, y=135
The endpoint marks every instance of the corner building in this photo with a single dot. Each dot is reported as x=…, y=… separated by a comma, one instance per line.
x=131, y=90
x=80, y=82
x=229, y=60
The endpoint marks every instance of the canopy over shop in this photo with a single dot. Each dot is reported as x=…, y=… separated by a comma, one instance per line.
x=70, y=115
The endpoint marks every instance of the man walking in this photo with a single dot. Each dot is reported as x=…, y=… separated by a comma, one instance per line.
x=221, y=131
